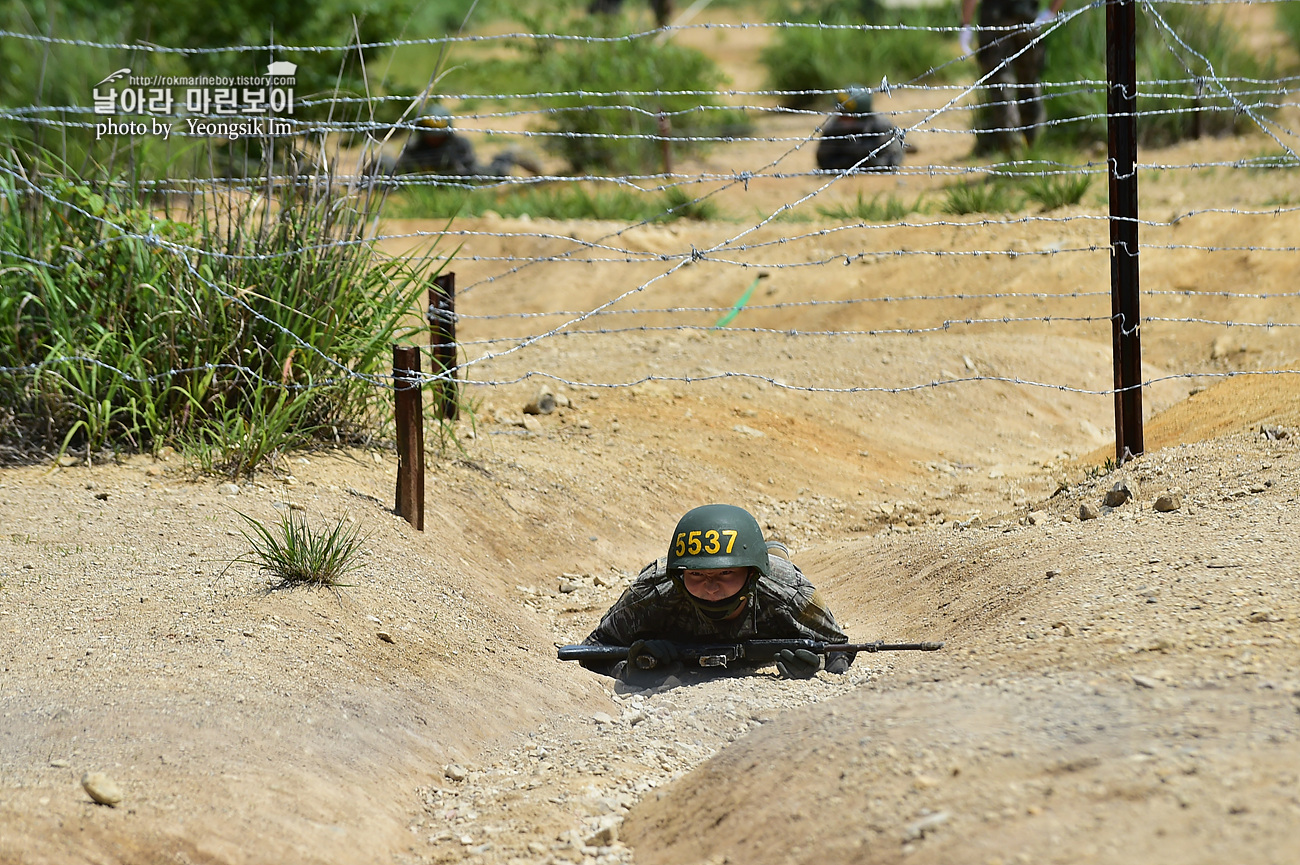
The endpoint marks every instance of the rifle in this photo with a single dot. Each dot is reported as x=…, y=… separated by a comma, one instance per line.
x=721, y=654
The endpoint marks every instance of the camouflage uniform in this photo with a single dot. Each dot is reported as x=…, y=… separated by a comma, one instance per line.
x=663, y=9
x=450, y=155
x=784, y=605
x=848, y=139
x=1014, y=92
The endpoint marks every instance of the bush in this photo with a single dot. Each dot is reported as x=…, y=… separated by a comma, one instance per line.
x=247, y=330
x=1169, y=110
x=621, y=132
x=804, y=59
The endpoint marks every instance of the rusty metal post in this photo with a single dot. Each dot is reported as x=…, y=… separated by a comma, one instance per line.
x=442, y=342
x=410, y=435
x=1126, y=315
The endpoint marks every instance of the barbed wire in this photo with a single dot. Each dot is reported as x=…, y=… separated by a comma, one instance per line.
x=1248, y=102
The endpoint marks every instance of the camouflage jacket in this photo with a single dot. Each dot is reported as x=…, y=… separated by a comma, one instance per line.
x=784, y=605
x=848, y=140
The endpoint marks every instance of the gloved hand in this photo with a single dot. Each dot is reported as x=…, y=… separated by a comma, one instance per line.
x=967, y=39
x=839, y=663
x=650, y=654
x=1044, y=16
x=797, y=664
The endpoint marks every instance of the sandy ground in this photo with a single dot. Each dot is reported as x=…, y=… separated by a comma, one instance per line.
x=1113, y=690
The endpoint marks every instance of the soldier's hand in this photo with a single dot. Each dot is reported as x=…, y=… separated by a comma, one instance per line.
x=797, y=664
x=838, y=663
x=649, y=654
x=967, y=39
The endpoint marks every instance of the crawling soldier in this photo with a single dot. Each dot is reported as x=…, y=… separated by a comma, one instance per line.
x=720, y=582
x=435, y=148
x=856, y=138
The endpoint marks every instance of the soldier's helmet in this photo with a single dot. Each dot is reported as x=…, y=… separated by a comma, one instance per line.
x=435, y=123
x=718, y=536
x=855, y=99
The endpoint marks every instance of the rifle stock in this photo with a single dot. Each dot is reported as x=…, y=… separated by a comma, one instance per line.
x=721, y=654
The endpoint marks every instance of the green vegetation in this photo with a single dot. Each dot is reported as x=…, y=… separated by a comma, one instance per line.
x=1009, y=192
x=891, y=209
x=247, y=329
x=808, y=58
x=1288, y=21
x=567, y=201
x=296, y=555
x=1187, y=104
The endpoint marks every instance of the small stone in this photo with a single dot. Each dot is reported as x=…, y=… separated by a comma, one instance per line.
x=537, y=848
x=607, y=832
x=385, y=636
x=1170, y=500
x=101, y=788
x=1145, y=681
x=59, y=764
x=1123, y=491
x=1088, y=511
x=568, y=587
x=543, y=402
x=925, y=826
x=602, y=718
x=1259, y=616
x=603, y=581
x=228, y=489
x=531, y=423
x=1037, y=518
x=455, y=772
x=1053, y=573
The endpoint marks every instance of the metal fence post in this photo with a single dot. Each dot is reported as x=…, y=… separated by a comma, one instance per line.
x=410, y=435
x=442, y=342
x=1126, y=315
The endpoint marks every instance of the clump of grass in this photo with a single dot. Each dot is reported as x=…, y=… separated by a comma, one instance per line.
x=891, y=209
x=567, y=201
x=981, y=196
x=296, y=555
x=1057, y=190
x=246, y=326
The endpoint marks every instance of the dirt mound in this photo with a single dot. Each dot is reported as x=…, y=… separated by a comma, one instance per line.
x=1116, y=690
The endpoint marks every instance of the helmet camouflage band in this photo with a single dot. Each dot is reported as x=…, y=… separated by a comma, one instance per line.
x=436, y=119
x=718, y=536
x=855, y=98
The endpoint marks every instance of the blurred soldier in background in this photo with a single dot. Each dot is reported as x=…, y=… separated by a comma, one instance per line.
x=855, y=136
x=1013, y=63
x=663, y=9
x=434, y=148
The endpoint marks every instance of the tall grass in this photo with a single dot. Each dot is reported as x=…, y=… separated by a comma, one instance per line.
x=1173, y=102
x=247, y=326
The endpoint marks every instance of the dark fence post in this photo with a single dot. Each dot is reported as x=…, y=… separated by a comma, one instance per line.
x=1125, y=306
x=442, y=342
x=410, y=435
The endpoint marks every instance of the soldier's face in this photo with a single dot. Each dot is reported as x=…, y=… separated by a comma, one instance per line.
x=715, y=584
